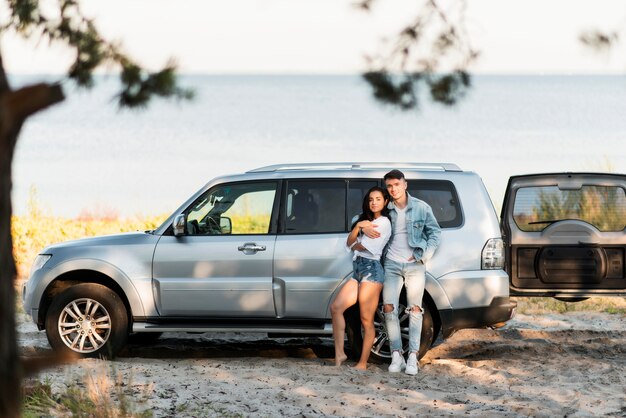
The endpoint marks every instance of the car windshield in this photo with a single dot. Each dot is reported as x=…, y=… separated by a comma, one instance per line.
x=536, y=208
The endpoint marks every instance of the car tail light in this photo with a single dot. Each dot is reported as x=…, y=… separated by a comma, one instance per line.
x=493, y=255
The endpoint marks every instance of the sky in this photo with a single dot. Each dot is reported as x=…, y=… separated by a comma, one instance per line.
x=329, y=36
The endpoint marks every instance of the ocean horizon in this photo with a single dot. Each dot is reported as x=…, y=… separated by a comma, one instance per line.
x=86, y=154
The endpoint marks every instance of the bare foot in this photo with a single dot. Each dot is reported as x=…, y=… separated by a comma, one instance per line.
x=339, y=359
x=360, y=366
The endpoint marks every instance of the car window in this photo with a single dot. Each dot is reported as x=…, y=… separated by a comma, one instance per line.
x=442, y=197
x=234, y=208
x=536, y=208
x=356, y=192
x=315, y=206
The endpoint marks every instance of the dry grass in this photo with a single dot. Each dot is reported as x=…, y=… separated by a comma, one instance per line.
x=612, y=305
x=101, y=393
x=37, y=229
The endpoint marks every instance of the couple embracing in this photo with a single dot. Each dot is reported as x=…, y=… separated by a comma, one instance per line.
x=404, y=232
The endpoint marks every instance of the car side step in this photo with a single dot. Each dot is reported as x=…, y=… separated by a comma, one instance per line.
x=170, y=327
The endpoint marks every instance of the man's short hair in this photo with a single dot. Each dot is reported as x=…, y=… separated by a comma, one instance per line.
x=394, y=174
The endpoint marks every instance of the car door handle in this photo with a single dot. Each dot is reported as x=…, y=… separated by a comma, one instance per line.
x=250, y=246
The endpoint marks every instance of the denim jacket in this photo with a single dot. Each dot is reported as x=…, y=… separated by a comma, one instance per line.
x=422, y=228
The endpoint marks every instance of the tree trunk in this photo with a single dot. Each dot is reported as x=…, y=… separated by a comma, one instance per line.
x=15, y=107
x=10, y=373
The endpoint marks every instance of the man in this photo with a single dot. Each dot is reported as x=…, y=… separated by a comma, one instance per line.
x=415, y=236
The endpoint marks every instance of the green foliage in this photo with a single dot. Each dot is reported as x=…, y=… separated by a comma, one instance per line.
x=71, y=28
x=433, y=51
x=24, y=14
x=139, y=86
x=449, y=88
x=38, y=401
x=615, y=310
x=399, y=91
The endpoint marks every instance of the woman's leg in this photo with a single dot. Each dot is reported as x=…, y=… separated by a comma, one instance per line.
x=345, y=298
x=369, y=294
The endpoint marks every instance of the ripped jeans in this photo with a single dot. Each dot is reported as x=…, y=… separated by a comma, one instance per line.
x=413, y=276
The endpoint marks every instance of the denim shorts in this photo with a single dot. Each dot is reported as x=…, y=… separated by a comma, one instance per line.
x=368, y=270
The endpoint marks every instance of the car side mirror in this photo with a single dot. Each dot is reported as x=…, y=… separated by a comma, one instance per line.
x=226, y=225
x=179, y=225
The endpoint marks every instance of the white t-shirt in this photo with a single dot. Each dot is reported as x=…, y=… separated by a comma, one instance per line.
x=399, y=249
x=375, y=246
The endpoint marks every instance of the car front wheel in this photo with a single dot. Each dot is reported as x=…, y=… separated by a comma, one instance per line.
x=87, y=319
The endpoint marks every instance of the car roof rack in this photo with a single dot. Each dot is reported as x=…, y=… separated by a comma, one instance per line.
x=358, y=166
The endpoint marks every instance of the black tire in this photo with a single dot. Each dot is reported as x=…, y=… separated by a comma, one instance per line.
x=381, y=351
x=95, y=323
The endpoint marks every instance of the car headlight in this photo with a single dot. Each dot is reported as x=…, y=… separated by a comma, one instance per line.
x=39, y=262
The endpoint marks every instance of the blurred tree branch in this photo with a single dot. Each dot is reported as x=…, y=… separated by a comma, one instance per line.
x=432, y=51
x=66, y=25
x=92, y=51
x=600, y=41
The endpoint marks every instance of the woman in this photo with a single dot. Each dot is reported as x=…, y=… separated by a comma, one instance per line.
x=367, y=281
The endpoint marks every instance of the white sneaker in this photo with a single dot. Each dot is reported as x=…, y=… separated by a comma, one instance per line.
x=397, y=363
x=411, y=365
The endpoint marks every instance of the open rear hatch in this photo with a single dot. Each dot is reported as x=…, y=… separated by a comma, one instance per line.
x=565, y=234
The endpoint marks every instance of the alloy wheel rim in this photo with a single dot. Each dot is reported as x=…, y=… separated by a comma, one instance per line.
x=84, y=325
x=381, y=346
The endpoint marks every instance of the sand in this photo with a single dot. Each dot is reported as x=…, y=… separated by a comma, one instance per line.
x=571, y=364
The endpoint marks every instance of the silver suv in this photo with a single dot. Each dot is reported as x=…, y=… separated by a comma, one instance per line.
x=265, y=251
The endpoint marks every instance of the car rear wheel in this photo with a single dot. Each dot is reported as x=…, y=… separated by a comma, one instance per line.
x=381, y=350
x=87, y=319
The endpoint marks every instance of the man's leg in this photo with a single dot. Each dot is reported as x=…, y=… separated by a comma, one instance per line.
x=391, y=298
x=415, y=280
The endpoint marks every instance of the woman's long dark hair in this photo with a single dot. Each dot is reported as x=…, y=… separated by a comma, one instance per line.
x=367, y=214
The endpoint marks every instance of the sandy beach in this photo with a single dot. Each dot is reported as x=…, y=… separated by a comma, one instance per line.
x=571, y=364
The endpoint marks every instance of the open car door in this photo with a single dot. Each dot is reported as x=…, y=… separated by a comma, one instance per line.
x=565, y=234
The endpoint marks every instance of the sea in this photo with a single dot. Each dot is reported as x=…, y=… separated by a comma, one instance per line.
x=85, y=155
